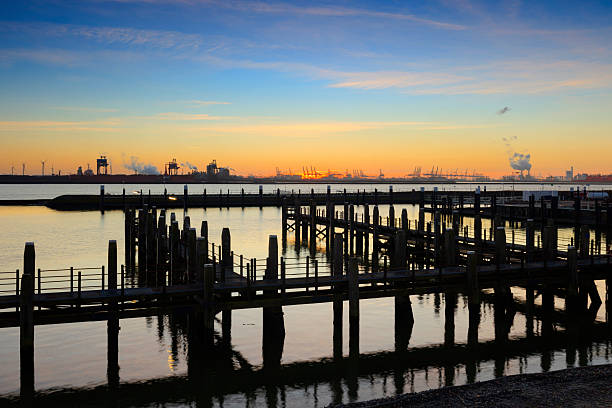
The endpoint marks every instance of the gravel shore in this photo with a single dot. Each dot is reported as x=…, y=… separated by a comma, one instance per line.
x=574, y=387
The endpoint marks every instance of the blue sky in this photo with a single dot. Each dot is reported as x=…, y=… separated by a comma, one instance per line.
x=262, y=84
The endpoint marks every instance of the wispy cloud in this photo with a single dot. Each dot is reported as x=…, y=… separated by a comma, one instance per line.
x=84, y=109
x=390, y=79
x=111, y=35
x=51, y=125
x=188, y=116
x=207, y=103
x=318, y=129
x=318, y=11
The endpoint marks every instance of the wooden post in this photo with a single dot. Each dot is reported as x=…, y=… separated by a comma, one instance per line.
x=102, y=199
x=500, y=246
x=208, y=300
x=351, y=242
x=450, y=248
x=376, y=220
x=226, y=250
x=337, y=302
x=26, y=324
x=353, y=295
x=284, y=225
x=473, y=291
x=185, y=199
x=584, y=242
x=529, y=238
x=273, y=320
x=472, y=278
x=313, y=225
x=549, y=243
x=204, y=235
x=573, y=282
x=261, y=197
x=366, y=235
x=405, y=224
x=112, y=326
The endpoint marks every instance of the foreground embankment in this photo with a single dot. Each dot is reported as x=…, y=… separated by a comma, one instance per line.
x=574, y=387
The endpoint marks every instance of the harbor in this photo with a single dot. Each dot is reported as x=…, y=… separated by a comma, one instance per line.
x=344, y=256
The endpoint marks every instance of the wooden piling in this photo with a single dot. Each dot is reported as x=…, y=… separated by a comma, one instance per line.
x=353, y=296
x=337, y=263
x=500, y=246
x=26, y=324
x=112, y=326
x=273, y=320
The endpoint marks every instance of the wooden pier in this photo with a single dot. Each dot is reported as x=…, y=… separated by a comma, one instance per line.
x=172, y=267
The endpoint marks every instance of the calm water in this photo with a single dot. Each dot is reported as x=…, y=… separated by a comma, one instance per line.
x=162, y=363
x=43, y=191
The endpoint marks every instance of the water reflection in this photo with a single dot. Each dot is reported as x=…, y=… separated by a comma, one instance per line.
x=220, y=375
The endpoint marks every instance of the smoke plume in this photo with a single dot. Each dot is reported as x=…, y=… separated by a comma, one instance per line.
x=190, y=166
x=140, y=168
x=520, y=162
x=503, y=110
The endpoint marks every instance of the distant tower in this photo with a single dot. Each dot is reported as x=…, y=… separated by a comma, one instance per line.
x=171, y=168
x=43, y=167
x=102, y=166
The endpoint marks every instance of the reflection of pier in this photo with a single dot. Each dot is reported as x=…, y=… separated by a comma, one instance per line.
x=217, y=370
x=176, y=269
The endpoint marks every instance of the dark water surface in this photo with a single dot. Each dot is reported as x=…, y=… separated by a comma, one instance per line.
x=162, y=362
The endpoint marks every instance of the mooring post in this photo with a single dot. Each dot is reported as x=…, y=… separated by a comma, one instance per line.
x=284, y=225
x=102, y=199
x=185, y=198
x=208, y=301
x=375, y=246
x=273, y=320
x=404, y=319
x=192, y=259
x=585, y=237
x=353, y=295
x=529, y=238
x=313, y=224
x=366, y=235
x=405, y=225
x=226, y=269
x=500, y=246
x=297, y=224
x=450, y=248
x=261, y=203
x=112, y=326
x=473, y=290
x=345, y=216
x=572, y=281
x=26, y=324
x=337, y=264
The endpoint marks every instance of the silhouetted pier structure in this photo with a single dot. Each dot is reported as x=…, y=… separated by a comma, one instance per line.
x=169, y=267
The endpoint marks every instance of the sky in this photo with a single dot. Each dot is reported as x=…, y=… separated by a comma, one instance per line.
x=256, y=85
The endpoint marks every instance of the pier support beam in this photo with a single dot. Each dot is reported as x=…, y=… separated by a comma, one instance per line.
x=227, y=267
x=353, y=295
x=273, y=320
x=26, y=326
x=112, y=326
x=473, y=290
x=337, y=265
